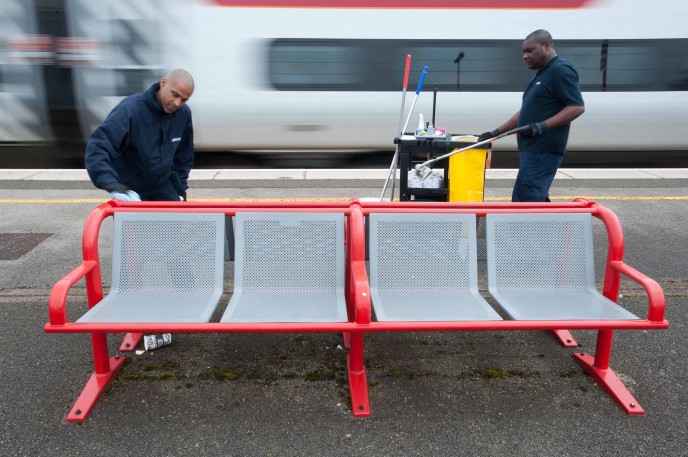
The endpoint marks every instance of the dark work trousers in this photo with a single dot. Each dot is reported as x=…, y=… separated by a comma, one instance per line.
x=535, y=175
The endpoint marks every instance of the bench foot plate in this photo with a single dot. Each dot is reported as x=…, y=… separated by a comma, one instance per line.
x=94, y=388
x=565, y=338
x=608, y=380
x=131, y=340
x=358, y=386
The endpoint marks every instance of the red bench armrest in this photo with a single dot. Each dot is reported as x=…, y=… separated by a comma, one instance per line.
x=57, y=305
x=655, y=295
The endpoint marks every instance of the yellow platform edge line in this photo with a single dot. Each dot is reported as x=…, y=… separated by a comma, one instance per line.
x=340, y=199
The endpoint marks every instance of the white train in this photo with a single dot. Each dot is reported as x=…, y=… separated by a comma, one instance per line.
x=327, y=74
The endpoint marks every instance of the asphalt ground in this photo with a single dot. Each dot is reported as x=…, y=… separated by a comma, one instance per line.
x=431, y=393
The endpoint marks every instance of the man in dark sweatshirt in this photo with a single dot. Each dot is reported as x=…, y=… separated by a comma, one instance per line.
x=551, y=101
x=143, y=150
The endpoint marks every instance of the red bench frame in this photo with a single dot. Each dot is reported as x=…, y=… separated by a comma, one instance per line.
x=357, y=294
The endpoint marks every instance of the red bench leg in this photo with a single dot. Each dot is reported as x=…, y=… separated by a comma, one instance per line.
x=347, y=339
x=598, y=369
x=358, y=383
x=131, y=340
x=106, y=368
x=565, y=338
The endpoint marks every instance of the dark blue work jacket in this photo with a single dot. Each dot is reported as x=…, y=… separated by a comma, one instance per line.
x=140, y=146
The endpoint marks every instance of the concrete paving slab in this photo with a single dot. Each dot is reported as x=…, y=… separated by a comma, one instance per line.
x=256, y=174
x=347, y=174
x=60, y=175
x=494, y=173
x=607, y=173
x=202, y=174
x=12, y=174
x=667, y=173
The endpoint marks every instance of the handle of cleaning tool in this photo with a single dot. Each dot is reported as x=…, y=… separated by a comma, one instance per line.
x=422, y=79
x=475, y=145
x=403, y=94
x=406, y=72
x=413, y=104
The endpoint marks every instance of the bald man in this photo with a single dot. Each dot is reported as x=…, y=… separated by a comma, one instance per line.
x=144, y=150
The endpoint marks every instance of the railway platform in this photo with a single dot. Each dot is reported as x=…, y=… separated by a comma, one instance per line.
x=494, y=393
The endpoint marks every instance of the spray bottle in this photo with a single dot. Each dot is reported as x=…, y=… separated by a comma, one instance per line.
x=421, y=126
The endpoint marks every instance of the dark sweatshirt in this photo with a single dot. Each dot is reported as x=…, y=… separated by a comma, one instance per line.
x=140, y=146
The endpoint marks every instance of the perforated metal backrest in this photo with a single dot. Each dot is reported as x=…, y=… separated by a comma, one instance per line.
x=423, y=252
x=155, y=252
x=540, y=251
x=283, y=252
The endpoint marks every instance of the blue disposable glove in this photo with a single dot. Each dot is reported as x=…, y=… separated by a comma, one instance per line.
x=120, y=196
x=129, y=196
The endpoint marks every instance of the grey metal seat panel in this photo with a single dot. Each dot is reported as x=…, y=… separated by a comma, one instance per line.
x=289, y=267
x=306, y=306
x=541, y=267
x=415, y=306
x=158, y=307
x=166, y=267
x=423, y=267
x=558, y=305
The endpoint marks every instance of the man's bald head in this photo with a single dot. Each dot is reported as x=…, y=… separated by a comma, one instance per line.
x=181, y=76
x=175, y=90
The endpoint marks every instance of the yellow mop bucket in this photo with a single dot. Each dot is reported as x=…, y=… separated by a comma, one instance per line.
x=467, y=172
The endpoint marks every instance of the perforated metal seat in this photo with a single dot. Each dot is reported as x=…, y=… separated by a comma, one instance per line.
x=541, y=267
x=289, y=267
x=423, y=267
x=166, y=267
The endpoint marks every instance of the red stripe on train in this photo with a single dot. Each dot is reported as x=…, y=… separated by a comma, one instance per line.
x=420, y=4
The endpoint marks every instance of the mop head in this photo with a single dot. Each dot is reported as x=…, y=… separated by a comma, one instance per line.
x=433, y=180
x=423, y=171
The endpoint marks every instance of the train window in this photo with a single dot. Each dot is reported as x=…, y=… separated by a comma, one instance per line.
x=473, y=66
x=469, y=67
x=586, y=58
x=634, y=66
x=629, y=65
x=315, y=66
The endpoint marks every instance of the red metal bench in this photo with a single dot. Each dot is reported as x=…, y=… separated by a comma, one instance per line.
x=356, y=292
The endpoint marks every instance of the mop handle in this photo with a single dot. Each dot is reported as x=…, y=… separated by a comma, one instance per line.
x=422, y=78
x=403, y=90
x=475, y=145
x=406, y=72
x=392, y=166
x=420, y=86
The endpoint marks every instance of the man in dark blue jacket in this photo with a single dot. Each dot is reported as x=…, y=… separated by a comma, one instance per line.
x=550, y=103
x=143, y=150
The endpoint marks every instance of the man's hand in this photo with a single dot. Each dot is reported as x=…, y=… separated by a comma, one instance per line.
x=182, y=195
x=533, y=130
x=128, y=196
x=487, y=135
